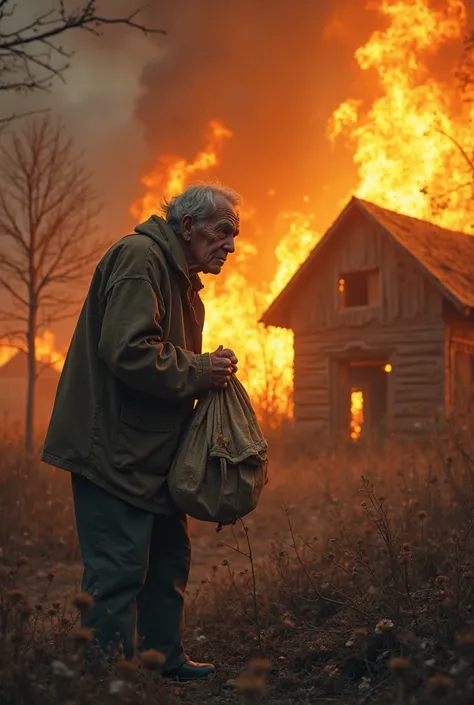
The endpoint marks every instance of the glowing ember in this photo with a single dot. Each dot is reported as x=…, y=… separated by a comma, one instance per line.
x=388, y=367
x=400, y=142
x=233, y=304
x=45, y=351
x=357, y=413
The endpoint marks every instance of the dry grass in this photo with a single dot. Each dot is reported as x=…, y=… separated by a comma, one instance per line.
x=352, y=583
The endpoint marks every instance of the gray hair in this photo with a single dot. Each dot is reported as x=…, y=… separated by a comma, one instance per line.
x=197, y=200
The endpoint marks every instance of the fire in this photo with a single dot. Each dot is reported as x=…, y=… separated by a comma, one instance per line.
x=171, y=174
x=46, y=353
x=357, y=413
x=233, y=304
x=405, y=142
x=405, y=145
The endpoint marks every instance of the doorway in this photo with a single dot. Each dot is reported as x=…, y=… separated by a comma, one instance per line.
x=361, y=398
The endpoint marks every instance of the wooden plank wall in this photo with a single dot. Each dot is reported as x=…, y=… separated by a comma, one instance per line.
x=416, y=383
x=407, y=326
x=459, y=337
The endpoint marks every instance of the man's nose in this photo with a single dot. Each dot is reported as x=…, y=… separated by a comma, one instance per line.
x=229, y=245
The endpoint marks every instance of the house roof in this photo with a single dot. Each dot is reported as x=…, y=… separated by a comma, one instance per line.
x=446, y=256
x=17, y=368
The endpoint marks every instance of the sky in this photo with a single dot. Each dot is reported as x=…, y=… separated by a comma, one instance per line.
x=271, y=72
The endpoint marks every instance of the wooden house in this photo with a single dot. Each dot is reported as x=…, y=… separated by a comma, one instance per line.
x=382, y=315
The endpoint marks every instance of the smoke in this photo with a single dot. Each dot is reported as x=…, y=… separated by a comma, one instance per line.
x=271, y=72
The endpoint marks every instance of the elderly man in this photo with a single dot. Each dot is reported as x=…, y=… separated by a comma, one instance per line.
x=132, y=375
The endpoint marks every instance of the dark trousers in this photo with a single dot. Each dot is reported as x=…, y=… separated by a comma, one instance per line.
x=136, y=567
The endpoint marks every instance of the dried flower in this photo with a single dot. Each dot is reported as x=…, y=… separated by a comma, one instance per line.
x=16, y=596
x=82, y=635
x=51, y=575
x=385, y=625
x=439, y=684
x=153, y=660
x=127, y=669
x=56, y=604
x=60, y=670
x=51, y=612
x=441, y=579
x=398, y=665
x=83, y=601
x=225, y=563
x=422, y=515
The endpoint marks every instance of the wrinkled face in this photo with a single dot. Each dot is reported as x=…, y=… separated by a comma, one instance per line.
x=210, y=243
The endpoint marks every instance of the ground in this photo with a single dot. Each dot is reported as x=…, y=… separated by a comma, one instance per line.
x=353, y=578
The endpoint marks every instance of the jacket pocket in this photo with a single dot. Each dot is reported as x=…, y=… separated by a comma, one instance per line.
x=147, y=439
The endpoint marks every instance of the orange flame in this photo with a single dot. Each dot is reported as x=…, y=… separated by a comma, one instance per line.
x=357, y=413
x=233, y=306
x=171, y=174
x=401, y=143
x=404, y=145
x=46, y=352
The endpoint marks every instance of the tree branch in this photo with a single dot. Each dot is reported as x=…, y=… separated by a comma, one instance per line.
x=459, y=147
x=28, y=51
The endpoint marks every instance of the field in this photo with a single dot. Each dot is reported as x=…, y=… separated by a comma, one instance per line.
x=351, y=583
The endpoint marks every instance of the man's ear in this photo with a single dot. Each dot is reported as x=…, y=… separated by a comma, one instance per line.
x=187, y=222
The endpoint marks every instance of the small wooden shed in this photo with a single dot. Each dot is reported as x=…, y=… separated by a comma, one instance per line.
x=382, y=315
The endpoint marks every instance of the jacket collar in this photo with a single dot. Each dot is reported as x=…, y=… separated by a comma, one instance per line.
x=158, y=229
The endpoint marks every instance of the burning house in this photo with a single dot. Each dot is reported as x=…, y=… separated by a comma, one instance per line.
x=14, y=383
x=383, y=323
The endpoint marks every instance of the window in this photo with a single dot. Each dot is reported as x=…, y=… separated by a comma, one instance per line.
x=358, y=289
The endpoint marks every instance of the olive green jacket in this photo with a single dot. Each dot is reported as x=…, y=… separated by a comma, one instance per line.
x=133, y=370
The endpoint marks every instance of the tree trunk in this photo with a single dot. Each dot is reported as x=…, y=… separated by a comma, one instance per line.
x=31, y=383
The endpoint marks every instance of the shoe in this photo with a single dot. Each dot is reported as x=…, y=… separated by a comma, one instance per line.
x=191, y=671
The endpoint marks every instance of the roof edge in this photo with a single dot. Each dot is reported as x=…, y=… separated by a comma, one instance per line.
x=272, y=315
x=289, y=287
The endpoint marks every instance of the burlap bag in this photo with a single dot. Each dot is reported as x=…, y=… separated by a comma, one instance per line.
x=221, y=467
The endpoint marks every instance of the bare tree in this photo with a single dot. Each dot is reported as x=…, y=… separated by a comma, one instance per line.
x=47, y=210
x=31, y=53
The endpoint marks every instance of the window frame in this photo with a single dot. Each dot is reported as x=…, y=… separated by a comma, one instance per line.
x=373, y=300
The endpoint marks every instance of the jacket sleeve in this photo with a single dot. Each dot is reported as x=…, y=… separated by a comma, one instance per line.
x=132, y=345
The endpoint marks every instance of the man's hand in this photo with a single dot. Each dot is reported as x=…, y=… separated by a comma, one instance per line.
x=223, y=366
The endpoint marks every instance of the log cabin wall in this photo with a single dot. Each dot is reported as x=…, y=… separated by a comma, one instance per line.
x=459, y=357
x=404, y=325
